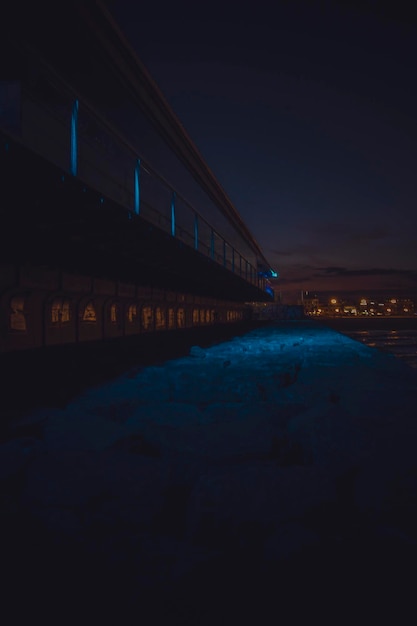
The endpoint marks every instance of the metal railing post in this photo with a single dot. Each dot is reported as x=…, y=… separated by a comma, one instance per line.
x=137, y=187
x=74, y=139
x=173, y=214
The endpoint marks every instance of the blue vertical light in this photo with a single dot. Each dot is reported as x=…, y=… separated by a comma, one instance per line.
x=137, y=187
x=212, y=244
x=196, y=232
x=173, y=214
x=74, y=139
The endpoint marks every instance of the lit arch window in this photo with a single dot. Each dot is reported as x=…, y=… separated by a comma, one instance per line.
x=171, y=318
x=89, y=313
x=159, y=318
x=132, y=313
x=180, y=318
x=196, y=316
x=17, y=314
x=202, y=316
x=60, y=311
x=208, y=316
x=147, y=317
x=114, y=313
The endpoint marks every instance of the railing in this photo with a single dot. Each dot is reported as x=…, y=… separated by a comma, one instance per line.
x=57, y=124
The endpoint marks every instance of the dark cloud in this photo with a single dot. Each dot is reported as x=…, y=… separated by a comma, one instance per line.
x=293, y=281
x=343, y=271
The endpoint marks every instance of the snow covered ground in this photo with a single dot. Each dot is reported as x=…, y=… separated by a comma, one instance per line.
x=263, y=476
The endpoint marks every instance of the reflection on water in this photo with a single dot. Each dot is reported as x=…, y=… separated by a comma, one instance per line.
x=400, y=342
x=397, y=335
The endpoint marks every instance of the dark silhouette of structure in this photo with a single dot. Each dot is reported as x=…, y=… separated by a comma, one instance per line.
x=112, y=222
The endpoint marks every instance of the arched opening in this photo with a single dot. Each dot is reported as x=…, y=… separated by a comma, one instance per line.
x=160, y=318
x=114, y=313
x=132, y=313
x=89, y=313
x=59, y=322
x=171, y=318
x=17, y=314
x=180, y=318
x=147, y=317
x=60, y=311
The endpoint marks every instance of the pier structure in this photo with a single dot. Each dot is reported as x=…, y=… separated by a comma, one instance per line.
x=112, y=222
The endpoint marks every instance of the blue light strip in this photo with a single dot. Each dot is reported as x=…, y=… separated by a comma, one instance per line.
x=74, y=139
x=173, y=214
x=137, y=187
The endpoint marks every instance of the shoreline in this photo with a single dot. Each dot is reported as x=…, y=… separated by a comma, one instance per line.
x=368, y=323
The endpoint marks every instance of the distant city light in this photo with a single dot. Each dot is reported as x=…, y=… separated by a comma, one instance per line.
x=333, y=301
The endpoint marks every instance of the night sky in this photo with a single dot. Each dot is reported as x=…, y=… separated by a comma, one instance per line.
x=306, y=113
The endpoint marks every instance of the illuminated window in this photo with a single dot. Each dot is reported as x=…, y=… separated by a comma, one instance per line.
x=202, y=316
x=60, y=311
x=196, y=316
x=132, y=313
x=159, y=318
x=17, y=314
x=147, y=317
x=65, y=311
x=114, y=313
x=180, y=318
x=89, y=314
x=56, y=311
x=171, y=318
x=208, y=319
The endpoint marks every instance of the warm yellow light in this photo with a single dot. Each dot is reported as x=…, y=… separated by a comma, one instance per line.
x=363, y=302
x=393, y=301
x=337, y=310
x=333, y=301
x=405, y=310
x=389, y=310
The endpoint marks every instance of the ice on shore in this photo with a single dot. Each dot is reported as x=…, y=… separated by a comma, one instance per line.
x=277, y=443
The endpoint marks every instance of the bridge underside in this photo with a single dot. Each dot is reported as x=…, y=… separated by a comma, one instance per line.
x=50, y=218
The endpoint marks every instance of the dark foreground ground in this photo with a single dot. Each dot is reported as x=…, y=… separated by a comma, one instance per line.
x=267, y=479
